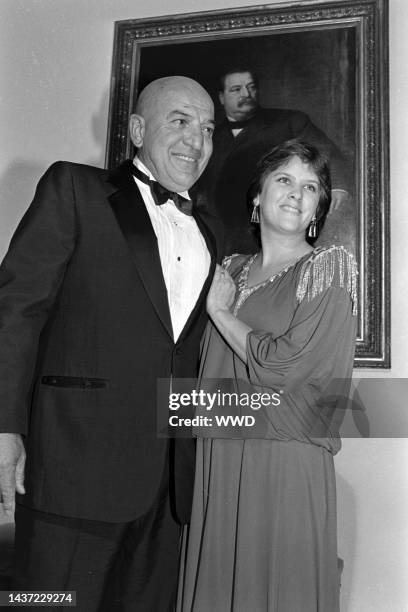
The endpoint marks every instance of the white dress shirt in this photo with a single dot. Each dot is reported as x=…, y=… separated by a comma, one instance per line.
x=235, y=131
x=184, y=256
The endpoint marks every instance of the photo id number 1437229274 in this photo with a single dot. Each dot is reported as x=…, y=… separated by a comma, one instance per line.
x=37, y=598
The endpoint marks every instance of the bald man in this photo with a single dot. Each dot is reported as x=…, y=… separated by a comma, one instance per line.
x=102, y=293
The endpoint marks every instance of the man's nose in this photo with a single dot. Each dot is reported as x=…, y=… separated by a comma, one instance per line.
x=193, y=136
x=244, y=92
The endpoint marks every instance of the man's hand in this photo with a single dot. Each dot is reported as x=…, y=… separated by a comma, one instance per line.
x=12, y=463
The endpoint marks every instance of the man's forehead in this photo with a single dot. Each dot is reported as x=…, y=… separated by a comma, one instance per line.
x=239, y=77
x=187, y=101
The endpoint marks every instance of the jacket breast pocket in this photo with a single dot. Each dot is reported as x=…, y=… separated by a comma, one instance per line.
x=75, y=382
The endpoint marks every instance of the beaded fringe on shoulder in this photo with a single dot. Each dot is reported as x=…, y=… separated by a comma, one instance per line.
x=226, y=262
x=318, y=271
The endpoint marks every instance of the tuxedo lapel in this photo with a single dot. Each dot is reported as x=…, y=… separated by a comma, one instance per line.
x=134, y=222
x=254, y=128
x=201, y=220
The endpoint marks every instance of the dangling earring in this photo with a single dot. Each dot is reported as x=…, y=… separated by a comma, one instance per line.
x=312, y=228
x=255, y=214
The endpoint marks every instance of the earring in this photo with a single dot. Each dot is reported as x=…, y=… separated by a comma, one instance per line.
x=312, y=228
x=255, y=214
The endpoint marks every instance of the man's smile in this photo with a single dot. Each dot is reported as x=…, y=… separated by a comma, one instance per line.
x=187, y=158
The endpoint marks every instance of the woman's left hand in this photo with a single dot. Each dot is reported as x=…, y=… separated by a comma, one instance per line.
x=222, y=292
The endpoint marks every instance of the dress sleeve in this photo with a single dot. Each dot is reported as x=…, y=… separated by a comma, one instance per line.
x=320, y=338
x=309, y=365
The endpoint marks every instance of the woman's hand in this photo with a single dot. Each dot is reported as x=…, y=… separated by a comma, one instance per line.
x=222, y=292
x=219, y=301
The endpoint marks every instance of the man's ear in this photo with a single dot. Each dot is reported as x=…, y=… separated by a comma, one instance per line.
x=255, y=201
x=221, y=97
x=137, y=130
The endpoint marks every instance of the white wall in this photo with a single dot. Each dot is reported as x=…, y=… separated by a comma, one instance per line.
x=54, y=84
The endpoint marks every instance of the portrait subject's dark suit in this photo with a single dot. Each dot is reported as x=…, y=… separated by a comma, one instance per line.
x=85, y=331
x=234, y=159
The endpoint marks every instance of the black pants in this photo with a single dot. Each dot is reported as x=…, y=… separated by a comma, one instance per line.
x=113, y=567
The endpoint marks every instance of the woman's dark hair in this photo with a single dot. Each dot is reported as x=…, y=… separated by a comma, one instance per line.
x=281, y=155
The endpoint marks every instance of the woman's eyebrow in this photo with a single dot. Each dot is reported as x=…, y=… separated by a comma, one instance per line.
x=309, y=180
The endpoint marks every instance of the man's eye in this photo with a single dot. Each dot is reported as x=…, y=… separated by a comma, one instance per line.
x=283, y=179
x=209, y=131
x=180, y=122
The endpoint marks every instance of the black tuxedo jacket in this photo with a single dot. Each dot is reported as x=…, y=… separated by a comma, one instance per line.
x=85, y=331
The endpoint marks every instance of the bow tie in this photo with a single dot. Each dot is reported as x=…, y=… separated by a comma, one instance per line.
x=238, y=125
x=160, y=194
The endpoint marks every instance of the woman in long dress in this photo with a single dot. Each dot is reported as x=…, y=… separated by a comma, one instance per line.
x=263, y=530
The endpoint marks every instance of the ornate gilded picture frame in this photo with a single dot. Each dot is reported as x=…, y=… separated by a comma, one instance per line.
x=327, y=59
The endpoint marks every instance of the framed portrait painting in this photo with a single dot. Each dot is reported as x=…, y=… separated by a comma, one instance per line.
x=328, y=59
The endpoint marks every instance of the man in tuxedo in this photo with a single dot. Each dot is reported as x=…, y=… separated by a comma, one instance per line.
x=102, y=293
x=247, y=132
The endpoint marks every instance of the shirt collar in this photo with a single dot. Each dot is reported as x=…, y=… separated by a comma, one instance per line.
x=139, y=164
